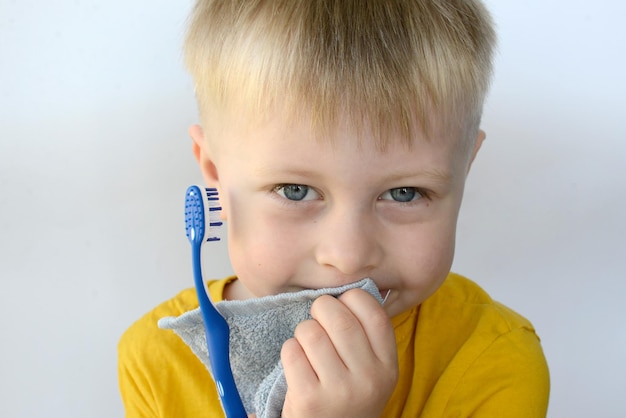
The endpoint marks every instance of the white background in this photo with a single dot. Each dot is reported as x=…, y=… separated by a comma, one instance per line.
x=95, y=158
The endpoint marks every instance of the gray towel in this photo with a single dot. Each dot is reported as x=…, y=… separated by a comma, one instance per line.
x=258, y=329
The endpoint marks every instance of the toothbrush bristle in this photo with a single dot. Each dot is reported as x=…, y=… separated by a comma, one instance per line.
x=213, y=209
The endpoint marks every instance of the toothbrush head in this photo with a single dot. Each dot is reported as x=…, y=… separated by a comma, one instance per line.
x=202, y=211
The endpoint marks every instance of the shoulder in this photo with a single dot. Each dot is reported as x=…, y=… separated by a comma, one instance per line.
x=498, y=365
x=460, y=295
x=474, y=319
x=142, y=350
x=460, y=289
x=145, y=328
x=156, y=370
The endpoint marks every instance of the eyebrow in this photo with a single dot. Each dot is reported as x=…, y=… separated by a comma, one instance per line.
x=438, y=176
x=294, y=171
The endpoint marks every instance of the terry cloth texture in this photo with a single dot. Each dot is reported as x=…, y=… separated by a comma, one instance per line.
x=258, y=329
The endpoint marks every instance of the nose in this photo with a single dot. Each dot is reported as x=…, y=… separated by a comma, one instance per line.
x=348, y=244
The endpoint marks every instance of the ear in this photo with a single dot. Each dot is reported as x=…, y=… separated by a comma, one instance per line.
x=479, y=141
x=202, y=153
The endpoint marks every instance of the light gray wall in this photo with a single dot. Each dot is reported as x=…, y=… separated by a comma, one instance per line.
x=94, y=160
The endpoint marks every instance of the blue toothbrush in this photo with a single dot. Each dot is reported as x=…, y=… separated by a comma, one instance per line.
x=201, y=214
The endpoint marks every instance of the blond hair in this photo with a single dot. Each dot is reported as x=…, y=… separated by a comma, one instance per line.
x=393, y=66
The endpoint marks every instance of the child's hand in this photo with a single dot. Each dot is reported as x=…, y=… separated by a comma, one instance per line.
x=343, y=362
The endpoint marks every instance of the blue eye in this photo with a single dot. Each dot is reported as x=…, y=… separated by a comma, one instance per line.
x=296, y=192
x=402, y=194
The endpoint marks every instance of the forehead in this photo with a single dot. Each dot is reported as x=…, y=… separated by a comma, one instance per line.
x=280, y=139
x=299, y=124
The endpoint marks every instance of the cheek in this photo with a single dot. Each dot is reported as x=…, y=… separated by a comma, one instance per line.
x=429, y=258
x=264, y=252
x=439, y=240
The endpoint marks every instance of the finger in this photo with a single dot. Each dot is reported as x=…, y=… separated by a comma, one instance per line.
x=344, y=330
x=298, y=371
x=374, y=322
x=319, y=350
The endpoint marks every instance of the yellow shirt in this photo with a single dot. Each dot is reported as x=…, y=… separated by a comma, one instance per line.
x=460, y=354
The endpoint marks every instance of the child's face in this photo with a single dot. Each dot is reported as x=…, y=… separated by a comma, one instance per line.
x=304, y=213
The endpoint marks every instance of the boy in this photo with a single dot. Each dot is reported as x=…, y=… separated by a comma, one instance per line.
x=339, y=134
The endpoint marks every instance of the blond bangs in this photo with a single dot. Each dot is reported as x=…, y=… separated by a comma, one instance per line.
x=393, y=67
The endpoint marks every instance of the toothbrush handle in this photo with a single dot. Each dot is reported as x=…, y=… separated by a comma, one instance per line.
x=217, y=336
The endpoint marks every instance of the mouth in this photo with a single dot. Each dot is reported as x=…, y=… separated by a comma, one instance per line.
x=384, y=294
